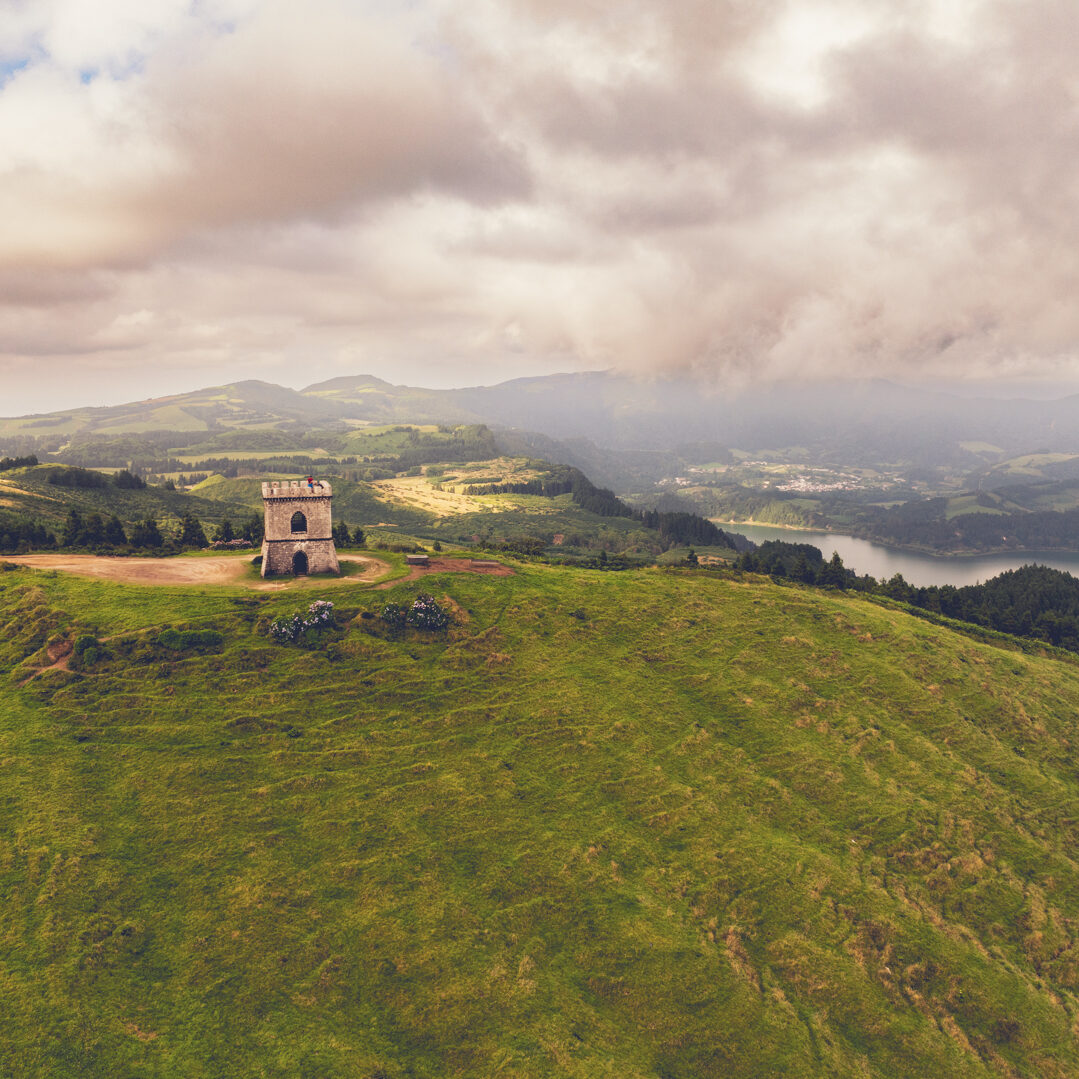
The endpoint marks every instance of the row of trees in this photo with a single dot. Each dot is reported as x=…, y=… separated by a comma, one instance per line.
x=88, y=478
x=102, y=532
x=94, y=532
x=801, y=562
x=251, y=530
x=97, y=532
x=343, y=537
x=22, y=535
x=8, y=463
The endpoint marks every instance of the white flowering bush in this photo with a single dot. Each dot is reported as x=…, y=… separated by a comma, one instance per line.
x=425, y=613
x=318, y=616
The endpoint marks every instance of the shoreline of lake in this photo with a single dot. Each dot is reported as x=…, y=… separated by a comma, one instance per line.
x=919, y=568
x=929, y=552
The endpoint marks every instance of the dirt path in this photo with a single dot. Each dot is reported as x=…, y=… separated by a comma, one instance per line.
x=226, y=569
x=59, y=653
x=448, y=565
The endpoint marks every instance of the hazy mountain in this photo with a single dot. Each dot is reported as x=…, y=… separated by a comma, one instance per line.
x=871, y=420
x=241, y=404
x=843, y=418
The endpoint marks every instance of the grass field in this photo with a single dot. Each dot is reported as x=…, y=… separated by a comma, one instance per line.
x=27, y=492
x=420, y=493
x=649, y=824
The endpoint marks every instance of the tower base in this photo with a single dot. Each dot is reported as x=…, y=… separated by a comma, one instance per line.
x=296, y=558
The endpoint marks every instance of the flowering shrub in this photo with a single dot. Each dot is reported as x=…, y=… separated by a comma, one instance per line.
x=286, y=630
x=424, y=613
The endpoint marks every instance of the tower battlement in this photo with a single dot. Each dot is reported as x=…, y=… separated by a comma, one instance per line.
x=297, y=489
x=299, y=528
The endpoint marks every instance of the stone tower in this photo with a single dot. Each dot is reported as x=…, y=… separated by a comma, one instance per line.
x=298, y=539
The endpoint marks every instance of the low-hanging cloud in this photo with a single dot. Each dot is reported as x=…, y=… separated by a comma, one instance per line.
x=456, y=191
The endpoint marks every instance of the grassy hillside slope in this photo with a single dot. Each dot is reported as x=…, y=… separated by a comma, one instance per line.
x=26, y=492
x=645, y=824
x=238, y=404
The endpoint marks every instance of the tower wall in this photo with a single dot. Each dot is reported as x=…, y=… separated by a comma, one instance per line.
x=281, y=545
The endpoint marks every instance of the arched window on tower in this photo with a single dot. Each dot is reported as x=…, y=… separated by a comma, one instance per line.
x=299, y=522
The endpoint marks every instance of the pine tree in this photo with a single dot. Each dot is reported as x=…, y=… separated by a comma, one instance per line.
x=73, y=529
x=114, y=532
x=94, y=532
x=253, y=529
x=191, y=531
x=146, y=534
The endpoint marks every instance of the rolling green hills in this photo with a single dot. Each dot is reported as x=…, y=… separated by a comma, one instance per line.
x=918, y=469
x=27, y=492
x=644, y=824
x=242, y=404
x=449, y=501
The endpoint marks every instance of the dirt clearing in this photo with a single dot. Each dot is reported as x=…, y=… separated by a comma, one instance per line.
x=449, y=565
x=226, y=569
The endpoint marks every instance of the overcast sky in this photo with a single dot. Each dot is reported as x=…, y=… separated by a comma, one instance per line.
x=450, y=192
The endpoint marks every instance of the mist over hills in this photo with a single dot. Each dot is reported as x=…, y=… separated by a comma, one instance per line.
x=852, y=420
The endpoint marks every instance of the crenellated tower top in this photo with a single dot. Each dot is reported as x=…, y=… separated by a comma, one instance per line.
x=297, y=489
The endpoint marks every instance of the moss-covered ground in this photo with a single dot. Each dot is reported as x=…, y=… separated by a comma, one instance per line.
x=650, y=824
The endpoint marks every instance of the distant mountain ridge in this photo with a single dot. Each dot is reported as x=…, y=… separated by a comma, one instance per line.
x=851, y=420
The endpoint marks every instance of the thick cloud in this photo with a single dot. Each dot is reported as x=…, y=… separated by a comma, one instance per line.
x=460, y=191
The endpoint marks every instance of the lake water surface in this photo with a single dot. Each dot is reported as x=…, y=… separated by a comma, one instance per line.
x=878, y=561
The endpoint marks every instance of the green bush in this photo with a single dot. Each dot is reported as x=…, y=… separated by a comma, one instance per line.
x=394, y=614
x=85, y=642
x=86, y=652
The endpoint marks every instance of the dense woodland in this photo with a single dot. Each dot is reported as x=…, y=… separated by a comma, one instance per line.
x=924, y=524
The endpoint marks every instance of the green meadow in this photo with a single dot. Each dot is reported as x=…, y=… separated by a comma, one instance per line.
x=663, y=823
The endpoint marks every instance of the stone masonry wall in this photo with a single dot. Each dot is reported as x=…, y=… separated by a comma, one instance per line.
x=281, y=544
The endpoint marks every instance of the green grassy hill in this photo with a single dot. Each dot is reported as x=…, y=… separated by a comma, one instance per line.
x=644, y=824
x=240, y=404
x=356, y=503
x=27, y=492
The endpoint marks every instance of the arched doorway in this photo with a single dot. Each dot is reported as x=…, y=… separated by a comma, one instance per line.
x=299, y=522
x=299, y=564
